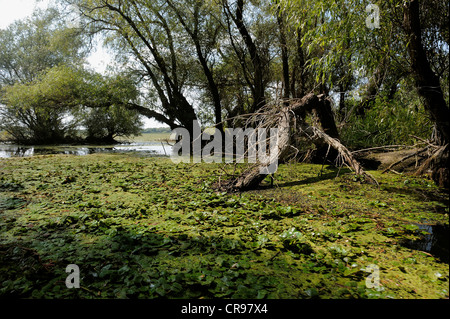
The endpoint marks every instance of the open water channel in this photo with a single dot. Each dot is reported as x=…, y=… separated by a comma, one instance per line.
x=153, y=148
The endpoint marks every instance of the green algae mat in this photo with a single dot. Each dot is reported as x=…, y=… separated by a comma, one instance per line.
x=143, y=227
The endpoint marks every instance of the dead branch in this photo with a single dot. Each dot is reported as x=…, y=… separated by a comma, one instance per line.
x=405, y=158
x=319, y=136
x=386, y=147
x=438, y=153
x=424, y=141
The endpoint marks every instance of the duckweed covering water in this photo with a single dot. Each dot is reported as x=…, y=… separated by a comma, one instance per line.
x=142, y=227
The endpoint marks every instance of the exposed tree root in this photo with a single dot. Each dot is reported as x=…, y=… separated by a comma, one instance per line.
x=291, y=120
x=438, y=163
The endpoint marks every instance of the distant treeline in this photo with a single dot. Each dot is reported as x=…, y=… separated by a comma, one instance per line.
x=157, y=130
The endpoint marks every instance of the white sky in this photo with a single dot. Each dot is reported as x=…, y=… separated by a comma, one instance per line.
x=11, y=10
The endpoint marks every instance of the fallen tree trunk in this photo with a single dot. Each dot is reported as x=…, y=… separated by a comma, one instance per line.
x=286, y=120
x=347, y=157
x=253, y=176
x=438, y=164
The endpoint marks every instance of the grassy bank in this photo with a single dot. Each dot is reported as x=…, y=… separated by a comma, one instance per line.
x=143, y=227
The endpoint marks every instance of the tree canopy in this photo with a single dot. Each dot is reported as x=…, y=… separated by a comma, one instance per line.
x=198, y=58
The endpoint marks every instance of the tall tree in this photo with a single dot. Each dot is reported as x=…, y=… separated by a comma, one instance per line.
x=235, y=13
x=28, y=49
x=51, y=108
x=427, y=81
x=284, y=52
x=204, y=31
x=412, y=39
x=143, y=30
x=428, y=86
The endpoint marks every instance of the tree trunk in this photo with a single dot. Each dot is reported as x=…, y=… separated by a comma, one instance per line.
x=298, y=87
x=253, y=176
x=426, y=81
x=372, y=90
x=284, y=53
x=429, y=89
x=258, y=68
x=212, y=86
x=322, y=109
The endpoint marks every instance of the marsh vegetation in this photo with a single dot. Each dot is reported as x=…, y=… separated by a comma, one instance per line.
x=362, y=114
x=142, y=227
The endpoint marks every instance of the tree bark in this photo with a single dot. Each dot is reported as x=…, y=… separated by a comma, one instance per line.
x=194, y=34
x=284, y=53
x=299, y=69
x=426, y=81
x=258, y=68
x=253, y=176
x=322, y=109
x=429, y=89
x=151, y=114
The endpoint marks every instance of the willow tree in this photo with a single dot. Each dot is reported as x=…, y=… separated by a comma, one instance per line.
x=28, y=49
x=411, y=40
x=204, y=31
x=54, y=106
x=30, y=46
x=427, y=80
x=172, y=46
x=192, y=56
x=256, y=67
x=146, y=38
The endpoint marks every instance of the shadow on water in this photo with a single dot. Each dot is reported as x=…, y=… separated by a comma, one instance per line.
x=436, y=241
x=145, y=148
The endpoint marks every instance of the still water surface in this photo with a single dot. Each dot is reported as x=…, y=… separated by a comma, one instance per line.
x=146, y=148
